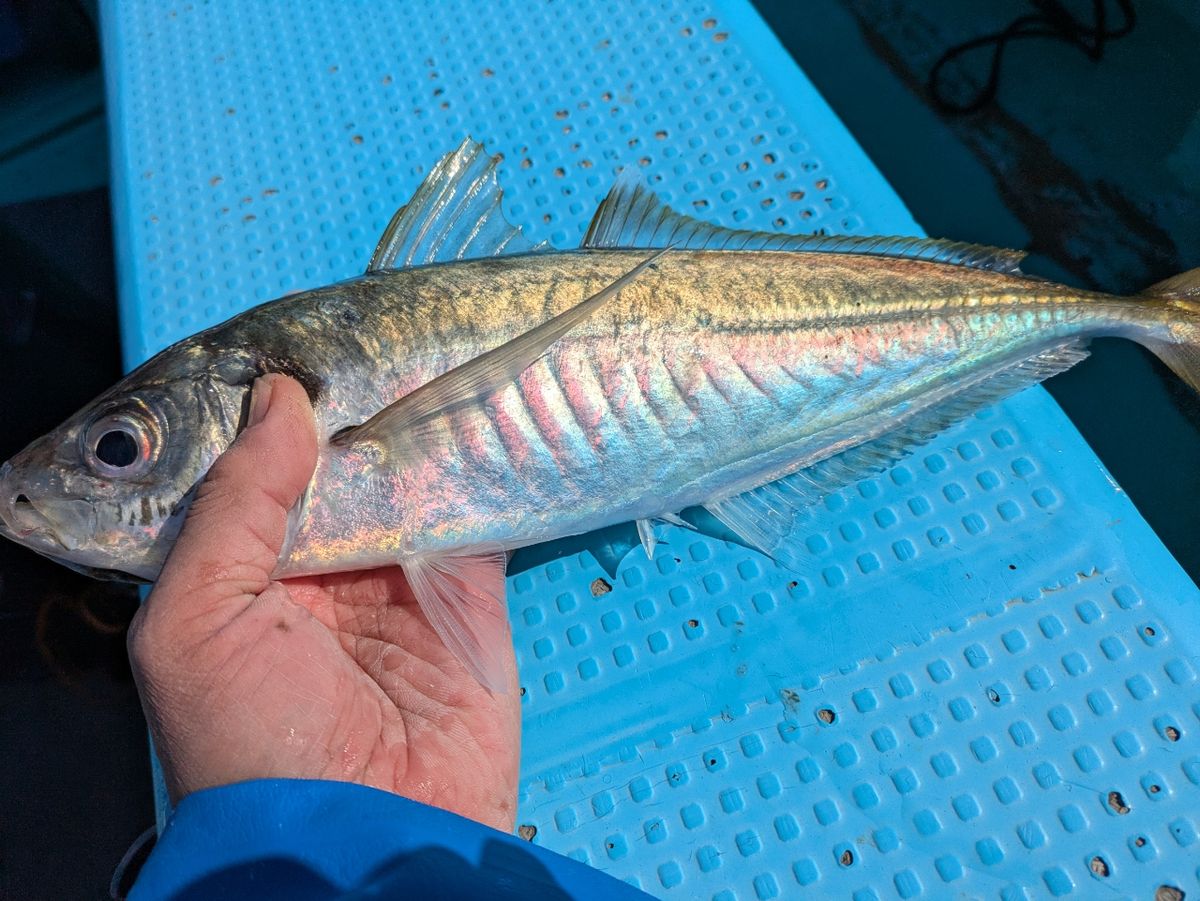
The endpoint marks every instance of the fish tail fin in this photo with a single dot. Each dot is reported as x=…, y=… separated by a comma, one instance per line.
x=1181, y=351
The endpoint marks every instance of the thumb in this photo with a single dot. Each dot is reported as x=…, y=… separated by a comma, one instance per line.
x=237, y=522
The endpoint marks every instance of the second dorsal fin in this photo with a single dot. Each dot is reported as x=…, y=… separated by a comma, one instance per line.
x=632, y=216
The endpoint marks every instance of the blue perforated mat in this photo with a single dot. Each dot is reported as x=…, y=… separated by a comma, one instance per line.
x=989, y=689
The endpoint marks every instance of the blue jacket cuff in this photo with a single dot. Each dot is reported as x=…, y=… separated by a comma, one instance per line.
x=312, y=840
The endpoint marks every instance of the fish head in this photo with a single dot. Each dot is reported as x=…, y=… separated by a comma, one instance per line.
x=106, y=492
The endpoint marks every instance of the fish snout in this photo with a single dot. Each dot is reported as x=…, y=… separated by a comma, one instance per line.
x=8, y=500
x=19, y=517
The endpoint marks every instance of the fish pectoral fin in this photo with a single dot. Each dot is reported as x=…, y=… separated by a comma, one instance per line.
x=483, y=376
x=632, y=216
x=462, y=596
x=454, y=214
x=767, y=517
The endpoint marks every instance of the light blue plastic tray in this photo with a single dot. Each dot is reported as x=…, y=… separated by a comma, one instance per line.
x=990, y=690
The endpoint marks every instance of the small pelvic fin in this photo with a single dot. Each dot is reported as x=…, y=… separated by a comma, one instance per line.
x=645, y=528
x=463, y=599
x=632, y=216
x=483, y=376
x=454, y=214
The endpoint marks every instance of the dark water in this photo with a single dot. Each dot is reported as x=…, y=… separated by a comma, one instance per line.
x=75, y=782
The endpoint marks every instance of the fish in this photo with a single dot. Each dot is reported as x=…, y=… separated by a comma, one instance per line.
x=476, y=393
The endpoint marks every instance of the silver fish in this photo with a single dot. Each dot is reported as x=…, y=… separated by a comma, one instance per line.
x=476, y=394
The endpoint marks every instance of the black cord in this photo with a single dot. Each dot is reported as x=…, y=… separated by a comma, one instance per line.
x=1053, y=20
x=127, y=870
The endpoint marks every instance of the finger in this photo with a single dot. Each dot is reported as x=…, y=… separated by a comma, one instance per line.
x=236, y=525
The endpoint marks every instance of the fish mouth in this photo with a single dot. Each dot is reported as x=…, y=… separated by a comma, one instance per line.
x=23, y=523
x=39, y=524
x=23, y=519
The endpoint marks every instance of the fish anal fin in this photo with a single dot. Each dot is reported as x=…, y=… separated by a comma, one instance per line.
x=632, y=216
x=454, y=214
x=462, y=596
x=766, y=517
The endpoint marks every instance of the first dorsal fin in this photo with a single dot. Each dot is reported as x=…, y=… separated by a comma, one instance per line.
x=632, y=216
x=454, y=215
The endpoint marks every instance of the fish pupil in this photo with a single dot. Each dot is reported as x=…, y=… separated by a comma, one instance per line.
x=117, y=448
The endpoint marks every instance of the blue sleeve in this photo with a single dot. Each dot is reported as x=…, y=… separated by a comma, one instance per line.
x=310, y=841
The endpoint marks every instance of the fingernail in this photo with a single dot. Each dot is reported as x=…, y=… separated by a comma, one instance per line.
x=260, y=400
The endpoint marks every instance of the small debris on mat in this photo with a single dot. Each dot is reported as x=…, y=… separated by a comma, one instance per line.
x=1117, y=802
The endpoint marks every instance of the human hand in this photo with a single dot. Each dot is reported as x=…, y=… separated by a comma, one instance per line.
x=326, y=677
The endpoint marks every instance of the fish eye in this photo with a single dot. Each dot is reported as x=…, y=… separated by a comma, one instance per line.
x=120, y=445
x=117, y=448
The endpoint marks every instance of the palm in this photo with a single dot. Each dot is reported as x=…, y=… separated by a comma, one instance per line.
x=415, y=713
x=342, y=677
